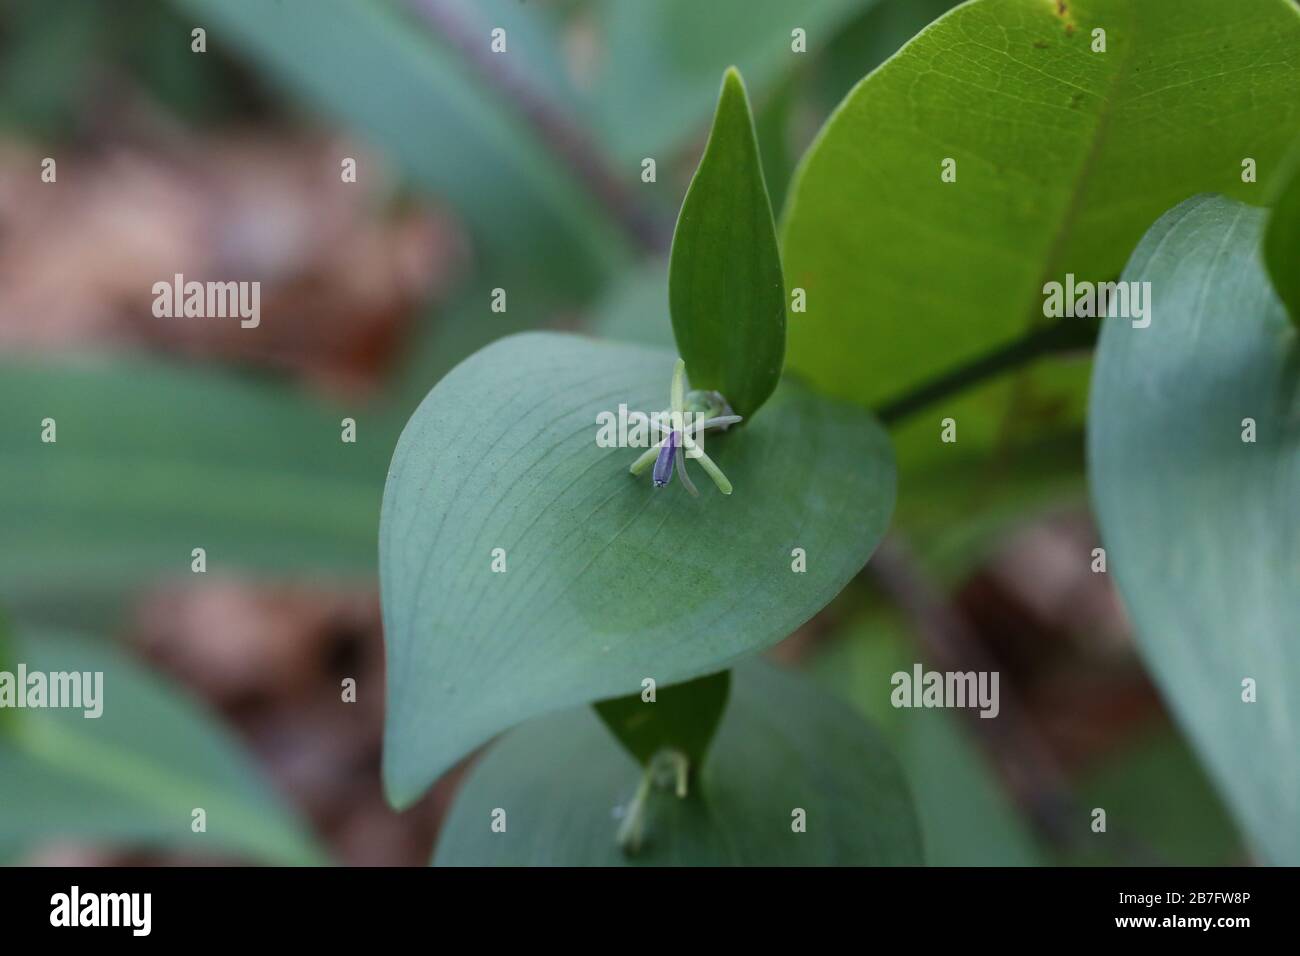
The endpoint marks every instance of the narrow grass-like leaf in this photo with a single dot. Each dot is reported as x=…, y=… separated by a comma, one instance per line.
x=134, y=775
x=391, y=77
x=151, y=461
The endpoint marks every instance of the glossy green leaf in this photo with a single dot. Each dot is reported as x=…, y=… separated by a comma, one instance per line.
x=1282, y=237
x=782, y=746
x=1200, y=525
x=682, y=717
x=152, y=461
x=133, y=775
x=607, y=580
x=1063, y=157
x=725, y=290
x=431, y=109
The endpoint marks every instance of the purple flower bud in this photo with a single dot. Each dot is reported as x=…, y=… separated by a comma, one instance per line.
x=663, y=471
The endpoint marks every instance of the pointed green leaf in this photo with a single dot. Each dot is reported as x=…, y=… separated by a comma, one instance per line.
x=606, y=580
x=1200, y=525
x=682, y=717
x=725, y=290
x=783, y=746
x=1282, y=238
x=134, y=774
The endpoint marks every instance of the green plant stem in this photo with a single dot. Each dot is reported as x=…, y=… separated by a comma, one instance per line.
x=1064, y=335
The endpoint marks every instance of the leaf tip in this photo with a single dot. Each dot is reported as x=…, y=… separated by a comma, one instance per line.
x=733, y=84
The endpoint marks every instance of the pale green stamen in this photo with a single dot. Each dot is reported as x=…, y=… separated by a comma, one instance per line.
x=678, y=397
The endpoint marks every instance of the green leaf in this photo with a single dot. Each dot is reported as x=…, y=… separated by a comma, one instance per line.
x=782, y=746
x=682, y=717
x=725, y=290
x=152, y=461
x=134, y=774
x=1200, y=526
x=1063, y=157
x=428, y=107
x=1282, y=238
x=608, y=580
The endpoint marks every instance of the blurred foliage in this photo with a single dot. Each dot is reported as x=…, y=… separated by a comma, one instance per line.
x=59, y=66
x=938, y=757
x=134, y=774
x=434, y=112
x=153, y=460
x=1160, y=806
x=1153, y=787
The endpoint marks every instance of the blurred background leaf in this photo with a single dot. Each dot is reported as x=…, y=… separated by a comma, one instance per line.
x=1141, y=784
x=656, y=79
x=134, y=774
x=937, y=757
x=153, y=460
x=382, y=70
